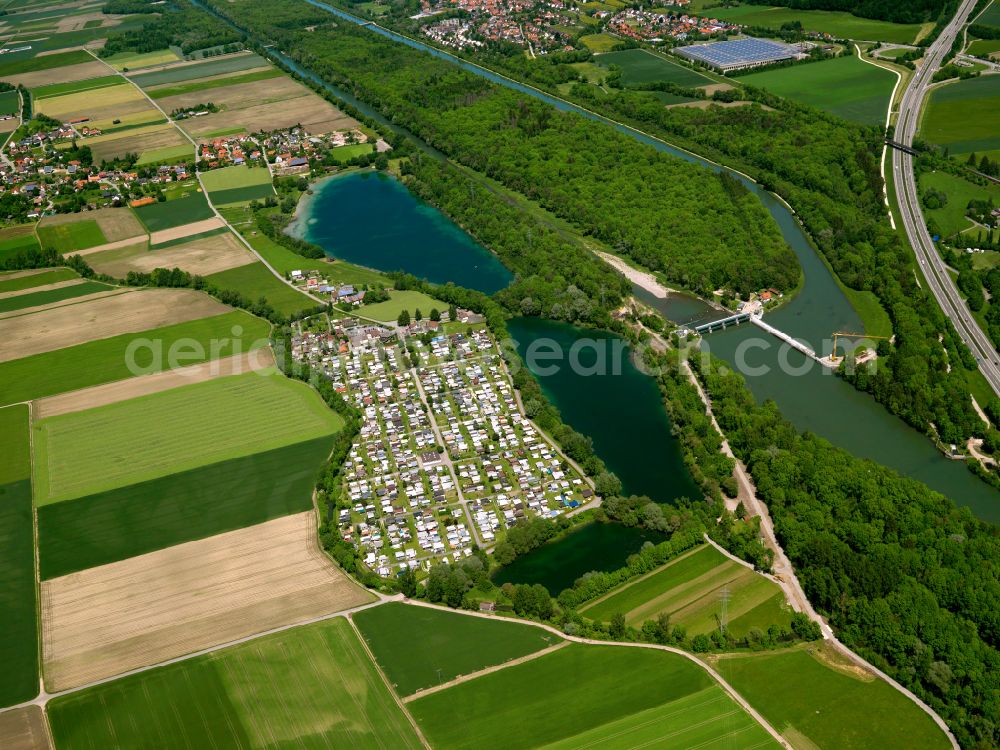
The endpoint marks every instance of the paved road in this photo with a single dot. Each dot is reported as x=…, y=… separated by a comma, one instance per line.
x=931, y=264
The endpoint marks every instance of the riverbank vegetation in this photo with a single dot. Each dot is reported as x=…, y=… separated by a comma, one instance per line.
x=905, y=578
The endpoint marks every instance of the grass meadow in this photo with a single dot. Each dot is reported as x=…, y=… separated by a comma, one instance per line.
x=78, y=235
x=402, y=300
x=815, y=704
x=600, y=42
x=15, y=240
x=641, y=66
x=21, y=283
x=419, y=647
x=50, y=296
x=312, y=687
x=951, y=219
x=963, y=116
x=214, y=83
x=846, y=86
x=840, y=24
x=152, y=436
x=119, y=524
x=689, y=588
x=18, y=598
x=212, y=67
x=555, y=697
x=254, y=281
x=237, y=184
x=168, y=153
x=105, y=360
x=177, y=212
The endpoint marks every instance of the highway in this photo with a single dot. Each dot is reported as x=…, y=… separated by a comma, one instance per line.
x=931, y=264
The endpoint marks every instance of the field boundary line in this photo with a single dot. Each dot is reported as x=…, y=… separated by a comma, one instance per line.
x=482, y=672
x=388, y=685
x=730, y=690
x=628, y=584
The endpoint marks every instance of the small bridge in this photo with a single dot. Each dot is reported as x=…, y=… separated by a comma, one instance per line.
x=722, y=324
x=900, y=147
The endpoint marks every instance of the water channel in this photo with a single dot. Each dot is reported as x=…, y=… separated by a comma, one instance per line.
x=373, y=220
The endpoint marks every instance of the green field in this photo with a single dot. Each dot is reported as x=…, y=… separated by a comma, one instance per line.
x=115, y=445
x=951, y=218
x=237, y=184
x=984, y=47
x=212, y=67
x=576, y=690
x=215, y=83
x=310, y=687
x=255, y=281
x=45, y=62
x=40, y=278
x=174, y=213
x=169, y=153
x=10, y=104
x=963, y=116
x=689, y=588
x=600, y=42
x=74, y=87
x=641, y=66
x=179, y=240
x=449, y=644
x=18, y=617
x=398, y=301
x=846, y=86
x=22, y=301
x=105, y=360
x=284, y=261
x=815, y=705
x=839, y=24
x=990, y=16
x=350, y=151
x=16, y=240
x=78, y=235
x=133, y=60
x=119, y=524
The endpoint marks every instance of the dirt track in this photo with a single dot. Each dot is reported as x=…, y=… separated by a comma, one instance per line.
x=106, y=620
x=110, y=393
x=128, y=312
x=24, y=729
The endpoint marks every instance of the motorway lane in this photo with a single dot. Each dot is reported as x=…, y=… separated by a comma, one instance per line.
x=931, y=264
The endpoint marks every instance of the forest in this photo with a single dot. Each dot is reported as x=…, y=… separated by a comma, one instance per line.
x=910, y=11
x=666, y=214
x=906, y=579
x=179, y=25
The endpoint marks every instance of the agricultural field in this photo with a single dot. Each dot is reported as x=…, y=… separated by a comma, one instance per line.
x=117, y=525
x=815, y=699
x=10, y=70
x=641, y=66
x=284, y=261
x=254, y=281
x=990, y=16
x=840, y=24
x=74, y=87
x=213, y=82
x=126, y=61
x=238, y=184
x=94, y=451
x=218, y=251
x=66, y=237
x=580, y=690
x=24, y=729
x=962, y=116
x=9, y=105
x=401, y=300
x=450, y=645
x=309, y=110
x=185, y=598
x=15, y=240
x=62, y=74
x=186, y=232
x=129, y=312
x=115, y=224
x=17, y=281
x=137, y=140
x=951, y=218
x=985, y=47
x=846, y=86
x=165, y=154
x=312, y=686
x=18, y=619
x=112, y=103
x=189, y=207
x=66, y=291
x=689, y=589
x=192, y=70
x=600, y=42
x=238, y=97
x=103, y=361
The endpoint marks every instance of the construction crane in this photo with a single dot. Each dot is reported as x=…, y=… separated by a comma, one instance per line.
x=833, y=354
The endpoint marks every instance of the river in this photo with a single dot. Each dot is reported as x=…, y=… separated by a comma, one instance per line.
x=372, y=219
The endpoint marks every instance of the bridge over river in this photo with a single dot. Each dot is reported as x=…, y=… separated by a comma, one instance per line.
x=757, y=319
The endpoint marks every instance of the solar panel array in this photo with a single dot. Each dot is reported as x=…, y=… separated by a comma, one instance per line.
x=739, y=52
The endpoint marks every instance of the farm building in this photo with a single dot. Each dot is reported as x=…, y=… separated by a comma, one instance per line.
x=740, y=54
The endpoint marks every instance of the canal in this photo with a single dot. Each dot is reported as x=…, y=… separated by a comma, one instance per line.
x=372, y=219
